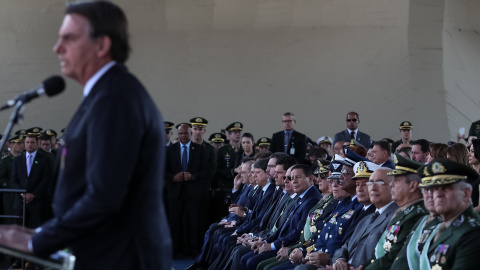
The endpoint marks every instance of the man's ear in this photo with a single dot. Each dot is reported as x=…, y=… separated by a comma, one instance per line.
x=104, y=46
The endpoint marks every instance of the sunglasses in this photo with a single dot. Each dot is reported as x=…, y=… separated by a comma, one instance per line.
x=338, y=181
x=352, y=120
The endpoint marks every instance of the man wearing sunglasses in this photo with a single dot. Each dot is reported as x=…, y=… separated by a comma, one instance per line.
x=352, y=132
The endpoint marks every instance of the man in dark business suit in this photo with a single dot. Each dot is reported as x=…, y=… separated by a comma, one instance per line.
x=352, y=132
x=108, y=202
x=32, y=171
x=289, y=140
x=185, y=175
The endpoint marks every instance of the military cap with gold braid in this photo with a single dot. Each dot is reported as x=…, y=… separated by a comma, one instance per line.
x=50, y=132
x=21, y=131
x=16, y=138
x=264, y=141
x=447, y=172
x=426, y=175
x=235, y=126
x=406, y=125
x=324, y=139
x=323, y=166
x=364, y=169
x=217, y=138
x=36, y=131
x=404, y=166
x=168, y=125
x=199, y=122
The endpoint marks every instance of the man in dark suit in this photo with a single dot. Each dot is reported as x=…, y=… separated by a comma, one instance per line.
x=289, y=140
x=32, y=171
x=185, y=175
x=108, y=202
x=381, y=154
x=289, y=233
x=352, y=132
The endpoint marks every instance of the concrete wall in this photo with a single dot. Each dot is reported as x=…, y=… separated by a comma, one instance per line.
x=252, y=60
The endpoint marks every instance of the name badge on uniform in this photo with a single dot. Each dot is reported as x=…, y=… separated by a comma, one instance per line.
x=292, y=151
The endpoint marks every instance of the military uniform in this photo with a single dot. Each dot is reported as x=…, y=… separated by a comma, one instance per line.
x=402, y=223
x=454, y=243
x=223, y=184
x=403, y=125
x=409, y=256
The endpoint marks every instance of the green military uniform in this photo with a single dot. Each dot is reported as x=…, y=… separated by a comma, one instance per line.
x=457, y=247
x=394, y=237
x=210, y=157
x=403, y=125
x=409, y=256
x=223, y=182
x=454, y=243
x=423, y=231
x=402, y=223
x=475, y=129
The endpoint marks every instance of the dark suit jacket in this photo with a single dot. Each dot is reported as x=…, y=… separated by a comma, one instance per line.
x=362, y=138
x=254, y=218
x=38, y=181
x=291, y=230
x=197, y=166
x=108, y=203
x=361, y=245
x=299, y=141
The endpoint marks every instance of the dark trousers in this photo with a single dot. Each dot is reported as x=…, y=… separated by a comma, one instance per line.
x=186, y=216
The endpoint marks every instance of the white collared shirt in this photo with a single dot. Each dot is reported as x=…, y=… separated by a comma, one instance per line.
x=381, y=210
x=94, y=79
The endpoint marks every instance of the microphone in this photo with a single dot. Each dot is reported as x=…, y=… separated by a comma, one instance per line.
x=50, y=87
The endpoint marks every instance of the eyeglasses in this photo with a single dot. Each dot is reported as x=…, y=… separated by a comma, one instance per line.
x=322, y=175
x=338, y=181
x=287, y=121
x=352, y=120
x=288, y=178
x=378, y=182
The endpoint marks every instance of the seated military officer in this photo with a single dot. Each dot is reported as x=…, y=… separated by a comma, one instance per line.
x=453, y=244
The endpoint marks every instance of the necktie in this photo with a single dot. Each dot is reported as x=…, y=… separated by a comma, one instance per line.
x=184, y=159
x=375, y=215
x=29, y=163
x=352, y=135
x=286, y=140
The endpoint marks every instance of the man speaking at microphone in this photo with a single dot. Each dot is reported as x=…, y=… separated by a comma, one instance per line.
x=108, y=203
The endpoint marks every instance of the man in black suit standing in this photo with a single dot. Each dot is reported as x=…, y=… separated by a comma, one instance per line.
x=32, y=171
x=289, y=140
x=352, y=132
x=185, y=175
x=108, y=202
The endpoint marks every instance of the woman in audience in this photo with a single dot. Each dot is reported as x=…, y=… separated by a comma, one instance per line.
x=248, y=149
x=458, y=153
x=474, y=155
x=405, y=152
x=437, y=150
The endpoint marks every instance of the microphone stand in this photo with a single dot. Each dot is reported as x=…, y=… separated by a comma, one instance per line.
x=17, y=116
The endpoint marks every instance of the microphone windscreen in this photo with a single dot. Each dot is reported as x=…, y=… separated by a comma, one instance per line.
x=54, y=85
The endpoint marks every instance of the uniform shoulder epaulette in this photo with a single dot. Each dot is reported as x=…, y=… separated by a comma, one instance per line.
x=473, y=222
